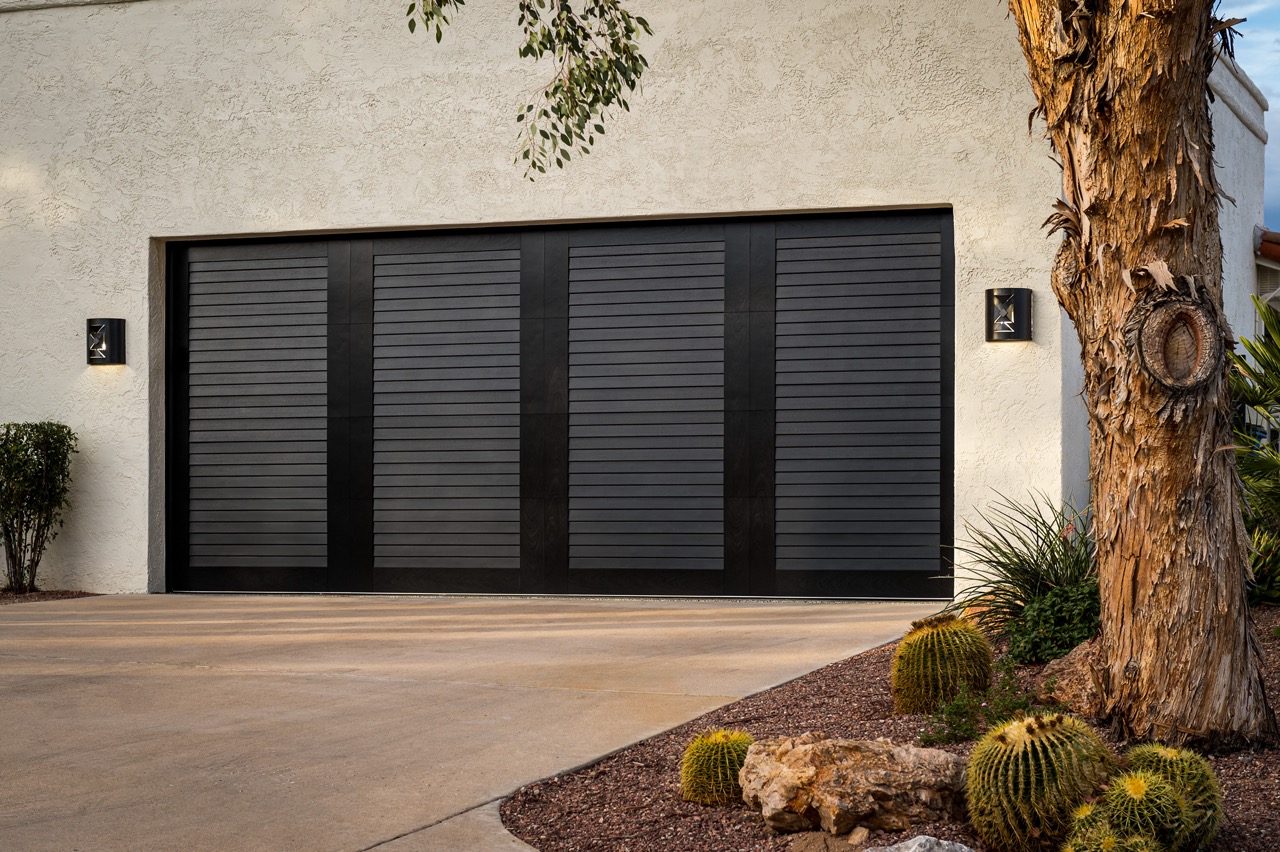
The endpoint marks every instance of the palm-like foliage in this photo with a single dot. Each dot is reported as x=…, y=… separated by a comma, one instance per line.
x=1026, y=550
x=1255, y=382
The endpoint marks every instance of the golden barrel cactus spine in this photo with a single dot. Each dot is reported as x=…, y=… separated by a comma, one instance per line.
x=1145, y=803
x=710, y=766
x=1026, y=777
x=938, y=657
x=1194, y=780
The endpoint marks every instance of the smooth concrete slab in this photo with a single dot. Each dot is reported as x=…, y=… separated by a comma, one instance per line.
x=222, y=722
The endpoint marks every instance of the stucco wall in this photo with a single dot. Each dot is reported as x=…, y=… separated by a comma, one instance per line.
x=123, y=125
x=1239, y=137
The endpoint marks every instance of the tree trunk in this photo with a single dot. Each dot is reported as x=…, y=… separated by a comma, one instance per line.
x=1123, y=88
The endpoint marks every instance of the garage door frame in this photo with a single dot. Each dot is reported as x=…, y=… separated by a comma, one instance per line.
x=749, y=399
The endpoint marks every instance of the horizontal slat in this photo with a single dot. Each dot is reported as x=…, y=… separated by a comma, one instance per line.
x=907, y=566
x=788, y=252
x=614, y=562
x=451, y=563
x=634, y=273
x=202, y=560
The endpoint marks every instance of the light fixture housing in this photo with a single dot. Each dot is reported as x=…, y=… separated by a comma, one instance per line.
x=104, y=341
x=1008, y=314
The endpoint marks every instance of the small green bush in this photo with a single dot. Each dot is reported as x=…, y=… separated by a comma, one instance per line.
x=35, y=476
x=1056, y=622
x=969, y=714
x=710, y=766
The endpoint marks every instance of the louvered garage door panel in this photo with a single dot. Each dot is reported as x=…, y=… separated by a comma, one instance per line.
x=446, y=390
x=859, y=398
x=256, y=395
x=646, y=401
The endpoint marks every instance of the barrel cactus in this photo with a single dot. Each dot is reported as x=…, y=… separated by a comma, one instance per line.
x=1026, y=777
x=1145, y=803
x=1192, y=777
x=938, y=657
x=1101, y=837
x=710, y=766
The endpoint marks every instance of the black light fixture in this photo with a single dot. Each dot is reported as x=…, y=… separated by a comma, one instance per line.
x=1008, y=314
x=105, y=341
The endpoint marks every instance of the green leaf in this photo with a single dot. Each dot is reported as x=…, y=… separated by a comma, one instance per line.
x=413, y=24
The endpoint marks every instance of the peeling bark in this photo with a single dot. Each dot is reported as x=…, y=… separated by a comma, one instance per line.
x=1123, y=88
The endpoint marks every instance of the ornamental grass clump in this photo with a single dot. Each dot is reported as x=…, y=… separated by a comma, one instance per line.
x=1026, y=778
x=35, y=476
x=939, y=657
x=1035, y=577
x=710, y=766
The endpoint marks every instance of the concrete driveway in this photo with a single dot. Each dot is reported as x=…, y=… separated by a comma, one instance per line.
x=314, y=723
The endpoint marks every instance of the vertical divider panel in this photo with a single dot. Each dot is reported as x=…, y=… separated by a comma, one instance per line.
x=763, y=284
x=555, y=308
x=737, y=409
x=534, y=419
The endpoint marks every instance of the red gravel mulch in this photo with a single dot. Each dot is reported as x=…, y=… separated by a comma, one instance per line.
x=630, y=802
x=29, y=597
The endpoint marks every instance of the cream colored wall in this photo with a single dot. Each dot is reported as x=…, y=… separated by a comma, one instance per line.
x=122, y=125
x=1239, y=137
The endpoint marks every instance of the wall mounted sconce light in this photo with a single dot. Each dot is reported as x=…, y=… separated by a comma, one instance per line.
x=105, y=341
x=1008, y=314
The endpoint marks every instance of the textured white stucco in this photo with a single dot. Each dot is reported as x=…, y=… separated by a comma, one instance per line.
x=1239, y=137
x=123, y=125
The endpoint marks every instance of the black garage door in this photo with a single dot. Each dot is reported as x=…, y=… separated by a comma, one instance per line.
x=721, y=407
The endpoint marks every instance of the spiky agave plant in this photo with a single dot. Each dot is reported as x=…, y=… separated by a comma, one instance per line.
x=938, y=657
x=1021, y=552
x=1026, y=777
x=710, y=766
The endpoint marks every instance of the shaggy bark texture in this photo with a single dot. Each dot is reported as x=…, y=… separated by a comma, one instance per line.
x=1123, y=88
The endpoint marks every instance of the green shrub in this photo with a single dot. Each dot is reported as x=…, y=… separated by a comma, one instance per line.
x=1255, y=384
x=35, y=475
x=710, y=766
x=1027, y=551
x=1026, y=777
x=1265, y=561
x=1054, y=623
x=938, y=657
x=969, y=714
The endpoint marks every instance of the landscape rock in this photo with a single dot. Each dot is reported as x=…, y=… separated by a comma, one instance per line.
x=808, y=782
x=859, y=835
x=924, y=843
x=1073, y=681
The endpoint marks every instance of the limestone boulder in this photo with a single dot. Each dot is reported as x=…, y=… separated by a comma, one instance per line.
x=924, y=843
x=1072, y=680
x=812, y=782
